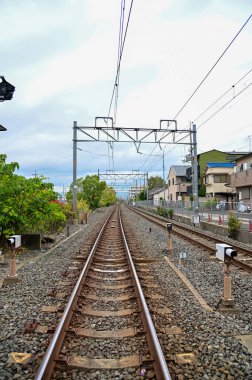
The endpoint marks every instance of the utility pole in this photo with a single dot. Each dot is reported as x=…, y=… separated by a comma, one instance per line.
x=164, y=175
x=249, y=140
x=35, y=174
x=147, y=189
x=195, y=169
x=74, y=166
x=64, y=192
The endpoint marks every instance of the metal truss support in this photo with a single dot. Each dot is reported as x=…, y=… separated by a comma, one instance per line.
x=167, y=133
x=125, y=182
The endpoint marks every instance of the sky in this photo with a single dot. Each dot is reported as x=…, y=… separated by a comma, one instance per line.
x=61, y=56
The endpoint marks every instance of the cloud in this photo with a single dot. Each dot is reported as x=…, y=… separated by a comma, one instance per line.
x=62, y=57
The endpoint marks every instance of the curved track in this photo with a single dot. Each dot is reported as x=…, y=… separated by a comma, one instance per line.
x=97, y=307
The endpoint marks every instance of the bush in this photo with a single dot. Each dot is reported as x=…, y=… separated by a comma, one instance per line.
x=234, y=225
x=162, y=211
x=170, y=213
x=211, y=203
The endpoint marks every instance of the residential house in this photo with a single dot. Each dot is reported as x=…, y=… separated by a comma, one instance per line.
x=177, y=182
x=215, y=156
x=216, y=177
x=241, y=179
x=158, y=196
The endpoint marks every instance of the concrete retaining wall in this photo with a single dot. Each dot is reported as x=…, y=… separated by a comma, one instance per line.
x=242, y=236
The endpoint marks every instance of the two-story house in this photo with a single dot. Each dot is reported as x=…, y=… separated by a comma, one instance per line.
x=241, y=179
x=216, y=178
x=177, y=182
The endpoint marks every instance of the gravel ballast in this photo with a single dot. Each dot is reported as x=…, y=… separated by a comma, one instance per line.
x=210, y=336
x=22, y=301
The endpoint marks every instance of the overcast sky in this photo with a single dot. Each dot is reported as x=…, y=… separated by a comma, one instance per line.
x=61, y=56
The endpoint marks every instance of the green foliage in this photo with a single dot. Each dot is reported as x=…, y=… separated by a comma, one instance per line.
x=26, y=205
x=108, y=197
x=202, y=191
x=211, y=202
x=161, y=211
x=155, y=182
x=142, y=196
x=93, y=192
x=170, y=212
x=234, y=225
x=166, y=212
x=82, y=206
x=80, y=194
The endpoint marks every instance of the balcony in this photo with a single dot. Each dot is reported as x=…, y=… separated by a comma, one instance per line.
x=242, y=178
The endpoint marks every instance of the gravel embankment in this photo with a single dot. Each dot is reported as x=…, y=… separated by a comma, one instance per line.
x=210, y=336
x=22, y=301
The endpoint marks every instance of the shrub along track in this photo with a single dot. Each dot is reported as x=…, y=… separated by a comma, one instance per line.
x=201, y=239
x=106, y=317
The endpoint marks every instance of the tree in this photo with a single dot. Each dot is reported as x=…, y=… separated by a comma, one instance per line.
x=108, y=197
x=80, y=195
x=155, y=182
x=202, y=191
x=92, y=193
x=92, y=190
x=26, y=205
x=142, y=196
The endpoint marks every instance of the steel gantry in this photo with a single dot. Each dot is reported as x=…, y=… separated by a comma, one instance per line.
x=131, y=182
x=167, y=133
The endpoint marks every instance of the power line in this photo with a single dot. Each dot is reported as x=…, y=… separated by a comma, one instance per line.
x=118, y=56
x=209, y=72
x=224, y=105
x=115, y=91
x=203, y=80
x=222, y=96
x=120, y=59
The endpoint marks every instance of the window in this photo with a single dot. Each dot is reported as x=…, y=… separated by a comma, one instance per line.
x=220, y=178
x=245, y=193
x=169, y=182
x=173, y=181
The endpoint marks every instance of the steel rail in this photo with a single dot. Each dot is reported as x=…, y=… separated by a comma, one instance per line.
x=161, y=369
x=160, y=222
x=158, y=219
x=47, y=365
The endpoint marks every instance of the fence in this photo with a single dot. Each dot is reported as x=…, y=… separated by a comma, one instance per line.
x=208, y=212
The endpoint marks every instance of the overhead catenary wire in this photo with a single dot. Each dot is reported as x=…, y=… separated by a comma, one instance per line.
x=119, y=51
x=115, y=92
x=203, y=80
x=222, y=96
x=121, y=27
x=224, y=105
x=212, y=68
x=210, y=117
x=120, y=59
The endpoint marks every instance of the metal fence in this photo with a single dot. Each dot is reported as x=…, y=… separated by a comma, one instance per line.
x=212, y=212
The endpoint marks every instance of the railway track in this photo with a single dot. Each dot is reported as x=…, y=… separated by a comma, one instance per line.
x=106, y=324
x=201, y=239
